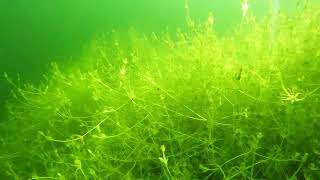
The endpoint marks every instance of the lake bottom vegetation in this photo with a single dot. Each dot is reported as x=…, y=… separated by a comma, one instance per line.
x=192, y=105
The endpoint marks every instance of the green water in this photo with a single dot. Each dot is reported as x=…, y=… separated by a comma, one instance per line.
x=36, y=32
x=170, y=96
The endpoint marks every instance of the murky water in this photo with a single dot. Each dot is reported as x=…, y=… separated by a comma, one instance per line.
x=181, y=89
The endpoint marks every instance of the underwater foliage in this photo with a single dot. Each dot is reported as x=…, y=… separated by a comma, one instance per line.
x=189, y=106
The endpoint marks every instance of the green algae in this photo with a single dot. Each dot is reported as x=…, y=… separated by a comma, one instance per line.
x=188, y=106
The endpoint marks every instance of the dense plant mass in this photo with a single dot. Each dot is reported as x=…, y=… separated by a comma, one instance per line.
x=188, y=106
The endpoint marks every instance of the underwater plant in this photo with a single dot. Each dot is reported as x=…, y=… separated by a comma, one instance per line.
x=188, y=106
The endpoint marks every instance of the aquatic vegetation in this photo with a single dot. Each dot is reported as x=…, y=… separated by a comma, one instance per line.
x=186, y=106
x=291, y=95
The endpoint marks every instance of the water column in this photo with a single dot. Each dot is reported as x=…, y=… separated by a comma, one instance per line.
x=275, y=8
